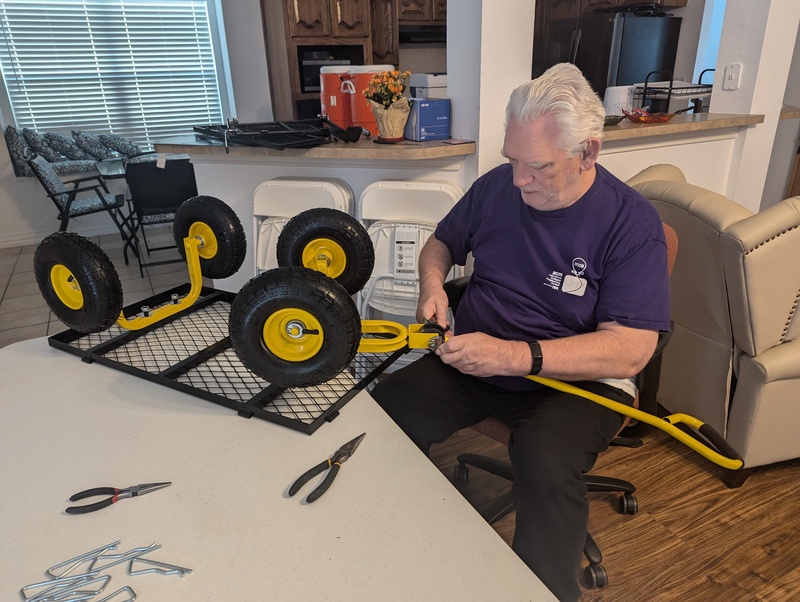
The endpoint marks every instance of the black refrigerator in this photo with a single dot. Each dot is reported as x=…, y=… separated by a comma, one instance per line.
x=613, y=49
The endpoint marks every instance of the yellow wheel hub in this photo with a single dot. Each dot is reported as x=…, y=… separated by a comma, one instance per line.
x=202, y=231
x=66, y=287
x=326, y=256
x=293, y=334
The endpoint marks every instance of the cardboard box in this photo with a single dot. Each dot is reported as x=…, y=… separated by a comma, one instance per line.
x=429, y=119
x=427, y=85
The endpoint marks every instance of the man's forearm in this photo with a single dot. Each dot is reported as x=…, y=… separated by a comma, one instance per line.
x=435, y=263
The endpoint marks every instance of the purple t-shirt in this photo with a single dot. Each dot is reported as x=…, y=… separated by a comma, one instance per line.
x=552, y=274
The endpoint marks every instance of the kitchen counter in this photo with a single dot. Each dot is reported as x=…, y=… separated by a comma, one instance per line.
x=685, y=123
x=364, y=149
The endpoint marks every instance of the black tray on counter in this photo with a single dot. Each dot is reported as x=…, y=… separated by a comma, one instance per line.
x=280, y=135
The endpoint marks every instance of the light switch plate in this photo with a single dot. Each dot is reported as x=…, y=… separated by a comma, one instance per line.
x=733, y=74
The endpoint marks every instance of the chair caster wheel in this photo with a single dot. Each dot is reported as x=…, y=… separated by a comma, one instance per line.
x=628, y=504
x=461, y=474
x=595, y=576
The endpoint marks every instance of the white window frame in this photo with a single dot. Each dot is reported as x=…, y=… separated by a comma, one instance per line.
x=137, y=134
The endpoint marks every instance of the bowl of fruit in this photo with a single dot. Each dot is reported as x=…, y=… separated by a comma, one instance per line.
x=642, y=116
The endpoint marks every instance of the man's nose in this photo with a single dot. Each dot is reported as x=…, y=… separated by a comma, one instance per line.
x=522, y=175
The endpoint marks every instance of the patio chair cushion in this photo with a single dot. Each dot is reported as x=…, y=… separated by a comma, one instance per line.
x=121, y=145
x=65, y=146
x=40, y=145
x=91, y=144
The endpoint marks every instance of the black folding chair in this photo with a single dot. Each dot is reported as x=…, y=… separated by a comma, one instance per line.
x=156, y=192
x=81, y=196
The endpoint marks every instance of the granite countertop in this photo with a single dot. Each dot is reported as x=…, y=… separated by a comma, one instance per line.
x=365, y=149
x=408, y=150
x=680, y=124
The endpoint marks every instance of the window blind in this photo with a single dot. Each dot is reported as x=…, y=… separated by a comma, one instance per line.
x=143, y=69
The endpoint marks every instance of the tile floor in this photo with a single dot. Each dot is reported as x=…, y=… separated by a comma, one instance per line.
x=23, y=311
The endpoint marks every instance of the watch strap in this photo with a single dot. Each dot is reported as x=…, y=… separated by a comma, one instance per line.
x=536, y=358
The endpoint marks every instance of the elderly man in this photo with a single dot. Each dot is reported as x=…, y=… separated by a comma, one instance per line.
x=570, y=282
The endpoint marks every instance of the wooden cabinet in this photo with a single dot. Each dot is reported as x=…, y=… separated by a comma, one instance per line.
x=328, y=18
x=299, y=32
x=365, y=32
x=384, y=32
x=420, y=12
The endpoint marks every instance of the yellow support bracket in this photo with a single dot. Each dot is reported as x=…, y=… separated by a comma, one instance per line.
x=192, y=247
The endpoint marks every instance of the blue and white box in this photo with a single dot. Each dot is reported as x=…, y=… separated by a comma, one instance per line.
x=429, y=119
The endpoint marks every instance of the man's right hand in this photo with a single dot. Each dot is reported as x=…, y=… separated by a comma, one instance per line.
x=432, y=306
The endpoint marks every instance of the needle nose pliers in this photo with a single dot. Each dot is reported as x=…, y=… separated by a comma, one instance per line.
x=116, y=495
x=334, y=463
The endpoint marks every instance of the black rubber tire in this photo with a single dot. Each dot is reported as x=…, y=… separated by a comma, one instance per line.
x=335, y=225
x=226, y=227
x=98, y=285
x=301, y=290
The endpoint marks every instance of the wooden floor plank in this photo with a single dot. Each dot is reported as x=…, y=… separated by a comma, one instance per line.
x=693, y=539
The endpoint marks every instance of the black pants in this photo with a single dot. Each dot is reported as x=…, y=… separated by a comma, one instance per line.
x=555, y=438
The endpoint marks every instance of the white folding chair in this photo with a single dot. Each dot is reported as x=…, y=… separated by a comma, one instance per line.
x=277, y=200
x=400, y=216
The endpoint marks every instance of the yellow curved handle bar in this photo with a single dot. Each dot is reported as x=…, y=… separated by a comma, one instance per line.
x=191, y=246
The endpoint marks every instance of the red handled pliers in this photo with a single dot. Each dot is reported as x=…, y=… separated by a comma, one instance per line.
x=116, y=495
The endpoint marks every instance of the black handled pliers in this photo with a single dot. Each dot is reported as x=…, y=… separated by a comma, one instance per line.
x=116, y=495
x=334, y=463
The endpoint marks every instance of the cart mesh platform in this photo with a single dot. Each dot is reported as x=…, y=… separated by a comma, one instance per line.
x=191, y=352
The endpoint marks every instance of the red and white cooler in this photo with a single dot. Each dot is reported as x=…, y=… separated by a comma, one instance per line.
x=336, y=91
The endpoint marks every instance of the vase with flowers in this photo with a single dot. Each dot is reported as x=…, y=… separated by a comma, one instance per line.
x=390, y=108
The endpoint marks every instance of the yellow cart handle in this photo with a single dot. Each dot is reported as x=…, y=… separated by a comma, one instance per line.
x=733, y=462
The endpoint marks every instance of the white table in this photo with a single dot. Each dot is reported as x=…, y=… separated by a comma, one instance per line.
x=391, y=527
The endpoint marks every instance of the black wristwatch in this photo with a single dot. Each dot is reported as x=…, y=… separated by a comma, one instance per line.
x=536, y=356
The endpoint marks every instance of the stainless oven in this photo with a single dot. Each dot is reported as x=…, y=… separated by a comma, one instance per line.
x=310, y=64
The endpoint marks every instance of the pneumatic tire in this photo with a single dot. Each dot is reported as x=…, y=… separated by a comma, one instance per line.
x=294, y=327
x=224, y=241
x=78, y=282
x=336, y=237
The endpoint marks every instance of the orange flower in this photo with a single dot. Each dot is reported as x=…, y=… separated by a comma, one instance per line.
x=387, y=87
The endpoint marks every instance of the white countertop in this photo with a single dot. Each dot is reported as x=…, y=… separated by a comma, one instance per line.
x=391, y=527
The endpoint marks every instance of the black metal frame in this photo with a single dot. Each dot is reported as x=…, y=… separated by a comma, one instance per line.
x=279, y=135
x=313, y=405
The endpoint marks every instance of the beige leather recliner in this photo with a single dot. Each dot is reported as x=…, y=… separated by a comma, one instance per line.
x=734, y=357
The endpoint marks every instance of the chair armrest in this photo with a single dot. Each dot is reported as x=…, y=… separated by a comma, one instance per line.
x=77, y=181
x=454, y=289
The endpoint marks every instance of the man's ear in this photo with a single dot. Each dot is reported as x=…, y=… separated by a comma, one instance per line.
x=589, y=153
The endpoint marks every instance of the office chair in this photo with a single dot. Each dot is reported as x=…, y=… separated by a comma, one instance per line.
x=595, y=575
x=155, y=194
x=77, y=201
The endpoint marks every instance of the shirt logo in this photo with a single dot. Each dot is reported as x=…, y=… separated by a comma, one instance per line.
x=572, y=284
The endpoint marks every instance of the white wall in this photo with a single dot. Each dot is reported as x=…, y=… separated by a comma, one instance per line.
x=759, y=35
x=247, y=57
x=787, y=140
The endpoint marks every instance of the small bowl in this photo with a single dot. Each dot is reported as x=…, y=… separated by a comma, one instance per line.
x=649, y=117
x=612, y=120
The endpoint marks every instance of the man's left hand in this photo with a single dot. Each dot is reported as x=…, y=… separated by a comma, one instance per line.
x=479, y=354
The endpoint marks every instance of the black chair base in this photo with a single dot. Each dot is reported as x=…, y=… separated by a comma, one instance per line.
x=594, y=575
